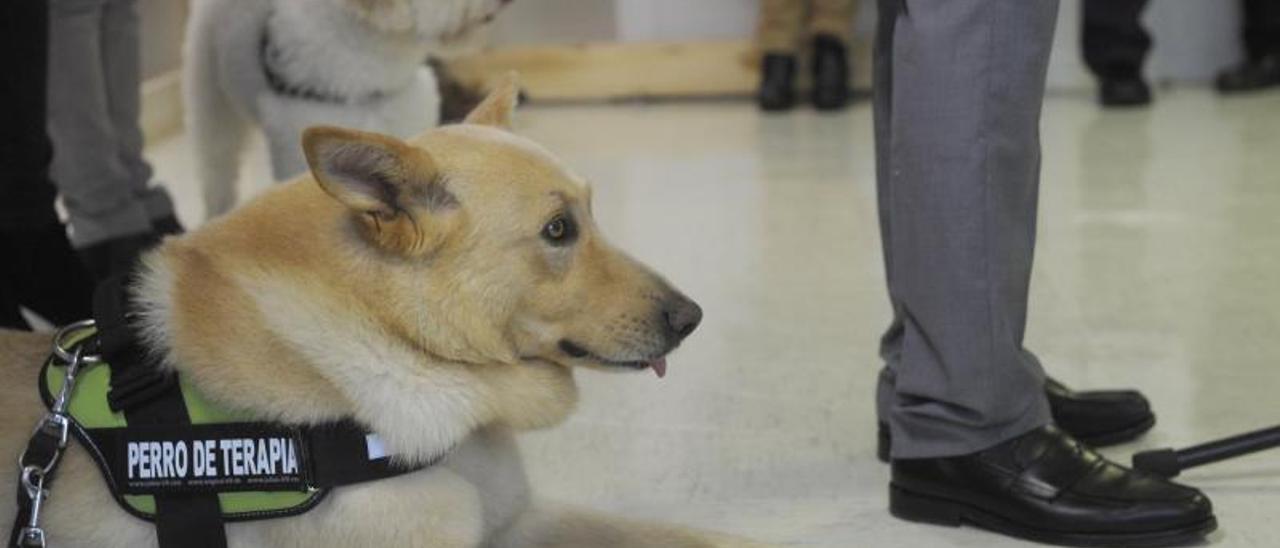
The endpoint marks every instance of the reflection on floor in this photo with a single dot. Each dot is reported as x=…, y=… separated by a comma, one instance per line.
x=1158, y=267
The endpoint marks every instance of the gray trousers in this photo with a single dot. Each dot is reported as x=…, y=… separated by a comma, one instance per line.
x=958, y=90
x=94, y=78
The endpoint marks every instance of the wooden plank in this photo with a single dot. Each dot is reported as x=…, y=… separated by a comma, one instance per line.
x=607, y=71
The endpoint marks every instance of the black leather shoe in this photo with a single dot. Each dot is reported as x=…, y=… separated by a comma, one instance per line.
x=1096, y=417
x=1251, y=76
x=1047, y=487
x=1124, y=92
x=830, y=73
x=1099, y=417
x=777, y=82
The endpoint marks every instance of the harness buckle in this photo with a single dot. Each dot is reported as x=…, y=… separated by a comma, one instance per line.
x=56, y=425
x=31, y=537
x=53, y=426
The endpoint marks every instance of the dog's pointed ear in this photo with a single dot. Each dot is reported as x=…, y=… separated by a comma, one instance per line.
x=395, y=188
x=498, y=107
x=367, y=172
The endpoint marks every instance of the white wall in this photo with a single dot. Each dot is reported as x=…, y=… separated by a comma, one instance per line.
x=556, y=21
x=163, y=23
x=1194, y=38
x=674, y=20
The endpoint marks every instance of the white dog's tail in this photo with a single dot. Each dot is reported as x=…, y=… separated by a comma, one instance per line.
x=215, y=130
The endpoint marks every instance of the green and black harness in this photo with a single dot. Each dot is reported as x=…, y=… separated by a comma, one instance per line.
x=167, y=454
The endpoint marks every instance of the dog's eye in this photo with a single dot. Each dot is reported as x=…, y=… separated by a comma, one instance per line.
x=560, y=231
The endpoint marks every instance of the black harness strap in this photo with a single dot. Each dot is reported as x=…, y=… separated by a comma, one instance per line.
x=149, y=397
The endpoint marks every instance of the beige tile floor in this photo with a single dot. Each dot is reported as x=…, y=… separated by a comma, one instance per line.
x=1158, y=267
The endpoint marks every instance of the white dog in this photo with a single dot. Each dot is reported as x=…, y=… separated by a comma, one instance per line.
x=289, y=64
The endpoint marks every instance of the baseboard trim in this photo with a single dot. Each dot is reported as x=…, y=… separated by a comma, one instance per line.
x=626, y=70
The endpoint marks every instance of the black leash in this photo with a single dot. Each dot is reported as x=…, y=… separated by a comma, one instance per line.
x=39, y=461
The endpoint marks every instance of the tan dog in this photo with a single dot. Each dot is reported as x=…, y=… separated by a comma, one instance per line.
x=440, y=292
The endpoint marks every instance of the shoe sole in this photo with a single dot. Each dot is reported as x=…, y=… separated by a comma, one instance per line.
x=921, y=508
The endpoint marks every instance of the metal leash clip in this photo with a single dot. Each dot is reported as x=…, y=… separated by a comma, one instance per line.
x=32, y=536
x=52, y=432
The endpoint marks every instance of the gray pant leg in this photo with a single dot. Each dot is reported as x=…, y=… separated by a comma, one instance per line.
x=122, y=67
x=959, y=86
x=98, y=189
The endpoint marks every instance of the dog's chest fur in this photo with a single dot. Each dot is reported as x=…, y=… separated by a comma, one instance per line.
x=326, y=49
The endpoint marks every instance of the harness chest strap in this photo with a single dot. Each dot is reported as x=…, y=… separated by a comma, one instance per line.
x=171, y=458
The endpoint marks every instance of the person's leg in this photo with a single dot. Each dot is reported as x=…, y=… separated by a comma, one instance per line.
x=97, y=188
x=832, y=18
x=962, y=165
x=37, y=267
x=958, y=121
x=110, y=225
x=1115, y=45
x=882, y=108
x=781, y=22
x=1261, y=35
x=830, y=22
x=121, y=67
x=1097, y=417
x=1114, y=42
x=778, y=36
x=1261, y=28
x=26, y=194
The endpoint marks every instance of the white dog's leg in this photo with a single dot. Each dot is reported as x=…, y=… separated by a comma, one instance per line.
x=547, y=525
x=283, y=121
x=216, y=131
x=287, y=160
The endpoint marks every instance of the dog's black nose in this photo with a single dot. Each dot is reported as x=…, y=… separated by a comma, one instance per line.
x=682, y=316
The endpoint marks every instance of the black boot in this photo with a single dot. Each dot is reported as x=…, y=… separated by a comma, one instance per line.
x=1096, y=417
x=117, y=256
x=1124, y=92
x=777, y=82
x=1047, y=487
x=167, y=226
x=42, y=273
x=830, y=73
x=1251, y=76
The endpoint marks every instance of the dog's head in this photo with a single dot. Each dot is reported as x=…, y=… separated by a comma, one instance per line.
x=488, y=248
x=433, y=20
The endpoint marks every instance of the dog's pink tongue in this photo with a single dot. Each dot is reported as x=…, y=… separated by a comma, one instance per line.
x=659, y=366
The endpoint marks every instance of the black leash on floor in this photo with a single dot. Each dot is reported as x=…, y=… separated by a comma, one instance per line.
x=1171, y=462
